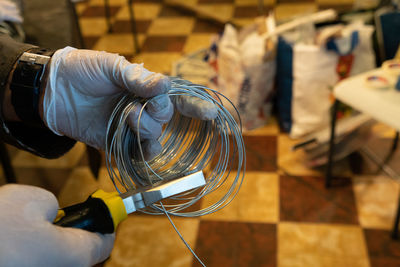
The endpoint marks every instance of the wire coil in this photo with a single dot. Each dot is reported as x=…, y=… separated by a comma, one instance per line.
x=189, y=145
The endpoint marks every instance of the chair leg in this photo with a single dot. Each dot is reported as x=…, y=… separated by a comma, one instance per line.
x=77, y=25
x=6, y=163
x=108, y=15
x=328, y=174
x=395, y=231
x=136, y=48
x=94, y=157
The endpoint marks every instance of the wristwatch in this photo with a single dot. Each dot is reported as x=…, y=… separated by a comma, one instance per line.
x=26, y=85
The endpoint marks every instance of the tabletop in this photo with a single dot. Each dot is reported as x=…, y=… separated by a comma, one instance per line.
x=381, y=104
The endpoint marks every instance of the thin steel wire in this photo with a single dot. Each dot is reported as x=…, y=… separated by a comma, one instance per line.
x=189, y=145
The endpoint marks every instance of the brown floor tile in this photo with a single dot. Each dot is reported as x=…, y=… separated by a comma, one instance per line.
x=305, y=199
x=124, y=26
x=249, y=11
x=236, y=244
x=69, y=160
x=164, y=44
x=202, y=26
x=261, y=153
x=146, y=1
x=382, y=249
x=90, y=41
x=214, y=1
x=293, y=1
x=254, y=2
x=167, y=11
x=99, y=11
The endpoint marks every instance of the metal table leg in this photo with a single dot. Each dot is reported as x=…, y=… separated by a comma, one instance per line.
x=136, y=48
x=328, y=174
x=395, y=230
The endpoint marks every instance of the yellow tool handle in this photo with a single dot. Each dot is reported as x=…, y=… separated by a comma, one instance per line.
x=101, y=212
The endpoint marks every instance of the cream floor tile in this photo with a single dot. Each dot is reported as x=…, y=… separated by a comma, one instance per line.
x=171, y=26
x=141, y=11
x=79, y=186
x=151, y=241
x=254, y=2
x=118, y=43
x=293, y=162
x=376, y=199
x=81, y=183
x=257, y=201
x=321, y=245
x=243, y=22
x=196, y=42
x=93, y=26
x=104, y=181
x=158, y=62
x=80, y=7
x=289, y=10
x=365, y=4
x=70, y=159
x=320, y=261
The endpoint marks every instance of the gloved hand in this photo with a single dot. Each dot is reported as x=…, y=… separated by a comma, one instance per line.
x=9, y=11
x=28, y=237
x=82, y=90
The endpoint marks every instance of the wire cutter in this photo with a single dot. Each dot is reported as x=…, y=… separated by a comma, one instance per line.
x=103, y=211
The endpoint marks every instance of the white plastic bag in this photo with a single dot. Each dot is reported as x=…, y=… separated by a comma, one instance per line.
x=315, y=72
x=246, y=71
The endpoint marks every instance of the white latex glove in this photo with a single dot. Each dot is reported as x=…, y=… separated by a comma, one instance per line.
x=9, y=11
x=83, y=87
x=29, y=238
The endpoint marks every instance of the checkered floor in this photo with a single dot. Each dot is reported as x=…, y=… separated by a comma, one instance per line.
x=283, y=215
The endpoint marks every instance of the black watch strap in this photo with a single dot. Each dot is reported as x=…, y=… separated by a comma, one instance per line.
x=26, y=84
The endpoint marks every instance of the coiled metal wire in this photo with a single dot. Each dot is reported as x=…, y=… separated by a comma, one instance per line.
x=189, y=145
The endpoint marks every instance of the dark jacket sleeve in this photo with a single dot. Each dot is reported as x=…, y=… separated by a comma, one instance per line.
x=40, y=141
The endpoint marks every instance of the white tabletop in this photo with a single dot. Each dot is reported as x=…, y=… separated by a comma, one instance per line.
x=381, y=104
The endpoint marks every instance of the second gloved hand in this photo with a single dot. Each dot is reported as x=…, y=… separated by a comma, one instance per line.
x=29, y=237
x=84, y=86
